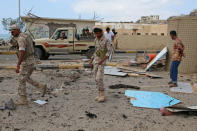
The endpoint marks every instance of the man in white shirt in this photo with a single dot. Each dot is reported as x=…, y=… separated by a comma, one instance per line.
x=109, y=34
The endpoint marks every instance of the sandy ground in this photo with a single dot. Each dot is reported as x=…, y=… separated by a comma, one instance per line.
x=71, y=93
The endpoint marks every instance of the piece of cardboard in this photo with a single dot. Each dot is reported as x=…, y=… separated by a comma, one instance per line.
x=148, y=99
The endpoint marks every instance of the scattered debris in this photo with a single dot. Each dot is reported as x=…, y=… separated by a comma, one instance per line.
x=183, y=88
x=194, y=87
x=73, y=76
x=188, y=79
x=81, y=130
x=87, y=66
x=55, y=114
x=145, y=58
x=1, y=79
x=132, y=70
x=61, y=90
x=40, y=102
x=150, y=99
x=116, y=96
x=124, y=116
x=109, y=70
x=180, y=109
x=2, y=108
x=10, y=105
x=4, y=78
x=90, y=115
x=88, y=72
x=85, y=60
x=159, y=56
x=165, y=112
x=132, y=63
x=135, y=75
x=9, y=114
x=119, y=86
x=16, y=129
x=154, y=76
x=176, y=110
x=45, y=67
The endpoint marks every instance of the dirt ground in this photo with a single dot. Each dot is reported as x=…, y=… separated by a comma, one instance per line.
x=71, y=94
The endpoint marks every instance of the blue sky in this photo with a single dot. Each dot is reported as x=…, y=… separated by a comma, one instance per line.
x=107, y=10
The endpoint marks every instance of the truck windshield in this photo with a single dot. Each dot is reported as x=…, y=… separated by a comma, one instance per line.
x=61, y=35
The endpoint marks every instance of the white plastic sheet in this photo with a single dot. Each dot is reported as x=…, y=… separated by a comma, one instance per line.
x=109, y=70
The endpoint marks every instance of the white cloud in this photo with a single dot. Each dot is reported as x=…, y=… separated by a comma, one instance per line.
x=125, y=10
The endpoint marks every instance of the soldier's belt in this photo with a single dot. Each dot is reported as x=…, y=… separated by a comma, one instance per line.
x=101, y=53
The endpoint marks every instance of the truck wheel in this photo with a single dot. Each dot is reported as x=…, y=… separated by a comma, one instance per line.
x=46, y=56
x=39, y=53
x=90, y=53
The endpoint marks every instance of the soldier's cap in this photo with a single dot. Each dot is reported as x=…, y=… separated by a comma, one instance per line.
x=107, y=28
x=14, y=27
x=97, y=29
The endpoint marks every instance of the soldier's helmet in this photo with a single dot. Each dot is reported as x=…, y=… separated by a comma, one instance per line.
x=97, y=29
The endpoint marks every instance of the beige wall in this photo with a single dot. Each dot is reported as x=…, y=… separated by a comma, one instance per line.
x=129, y=28
x=186, y=28
x=127, y=42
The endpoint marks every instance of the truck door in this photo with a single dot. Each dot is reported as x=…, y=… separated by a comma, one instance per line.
x=71, y=39
x=59, y=43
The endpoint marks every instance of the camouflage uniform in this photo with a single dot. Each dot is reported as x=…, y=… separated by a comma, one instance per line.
x=115, y=42
x=102, y=49
x=25, y=43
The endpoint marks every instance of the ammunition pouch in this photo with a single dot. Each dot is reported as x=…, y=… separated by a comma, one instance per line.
x=101, y=53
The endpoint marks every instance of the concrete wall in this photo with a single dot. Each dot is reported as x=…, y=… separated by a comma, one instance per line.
x=127, y=42
x=133, y=28
x=186, y=28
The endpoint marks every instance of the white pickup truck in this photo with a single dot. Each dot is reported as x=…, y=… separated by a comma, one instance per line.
x=64, y=41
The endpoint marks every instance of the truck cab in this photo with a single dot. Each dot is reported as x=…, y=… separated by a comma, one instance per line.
x=65, y=41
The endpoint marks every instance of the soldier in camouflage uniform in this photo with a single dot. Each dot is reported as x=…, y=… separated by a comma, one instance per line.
x=26, y=62
x=102, y=51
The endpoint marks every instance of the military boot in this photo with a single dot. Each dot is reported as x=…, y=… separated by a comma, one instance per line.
x=22, y=101
x=44, y=89
x=101, y=97
x=97, y=98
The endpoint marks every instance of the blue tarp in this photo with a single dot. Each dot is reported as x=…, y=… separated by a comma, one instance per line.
x=148, y=99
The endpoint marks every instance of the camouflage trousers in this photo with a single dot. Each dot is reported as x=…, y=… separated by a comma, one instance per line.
x=24, y=77
x=98, y=75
